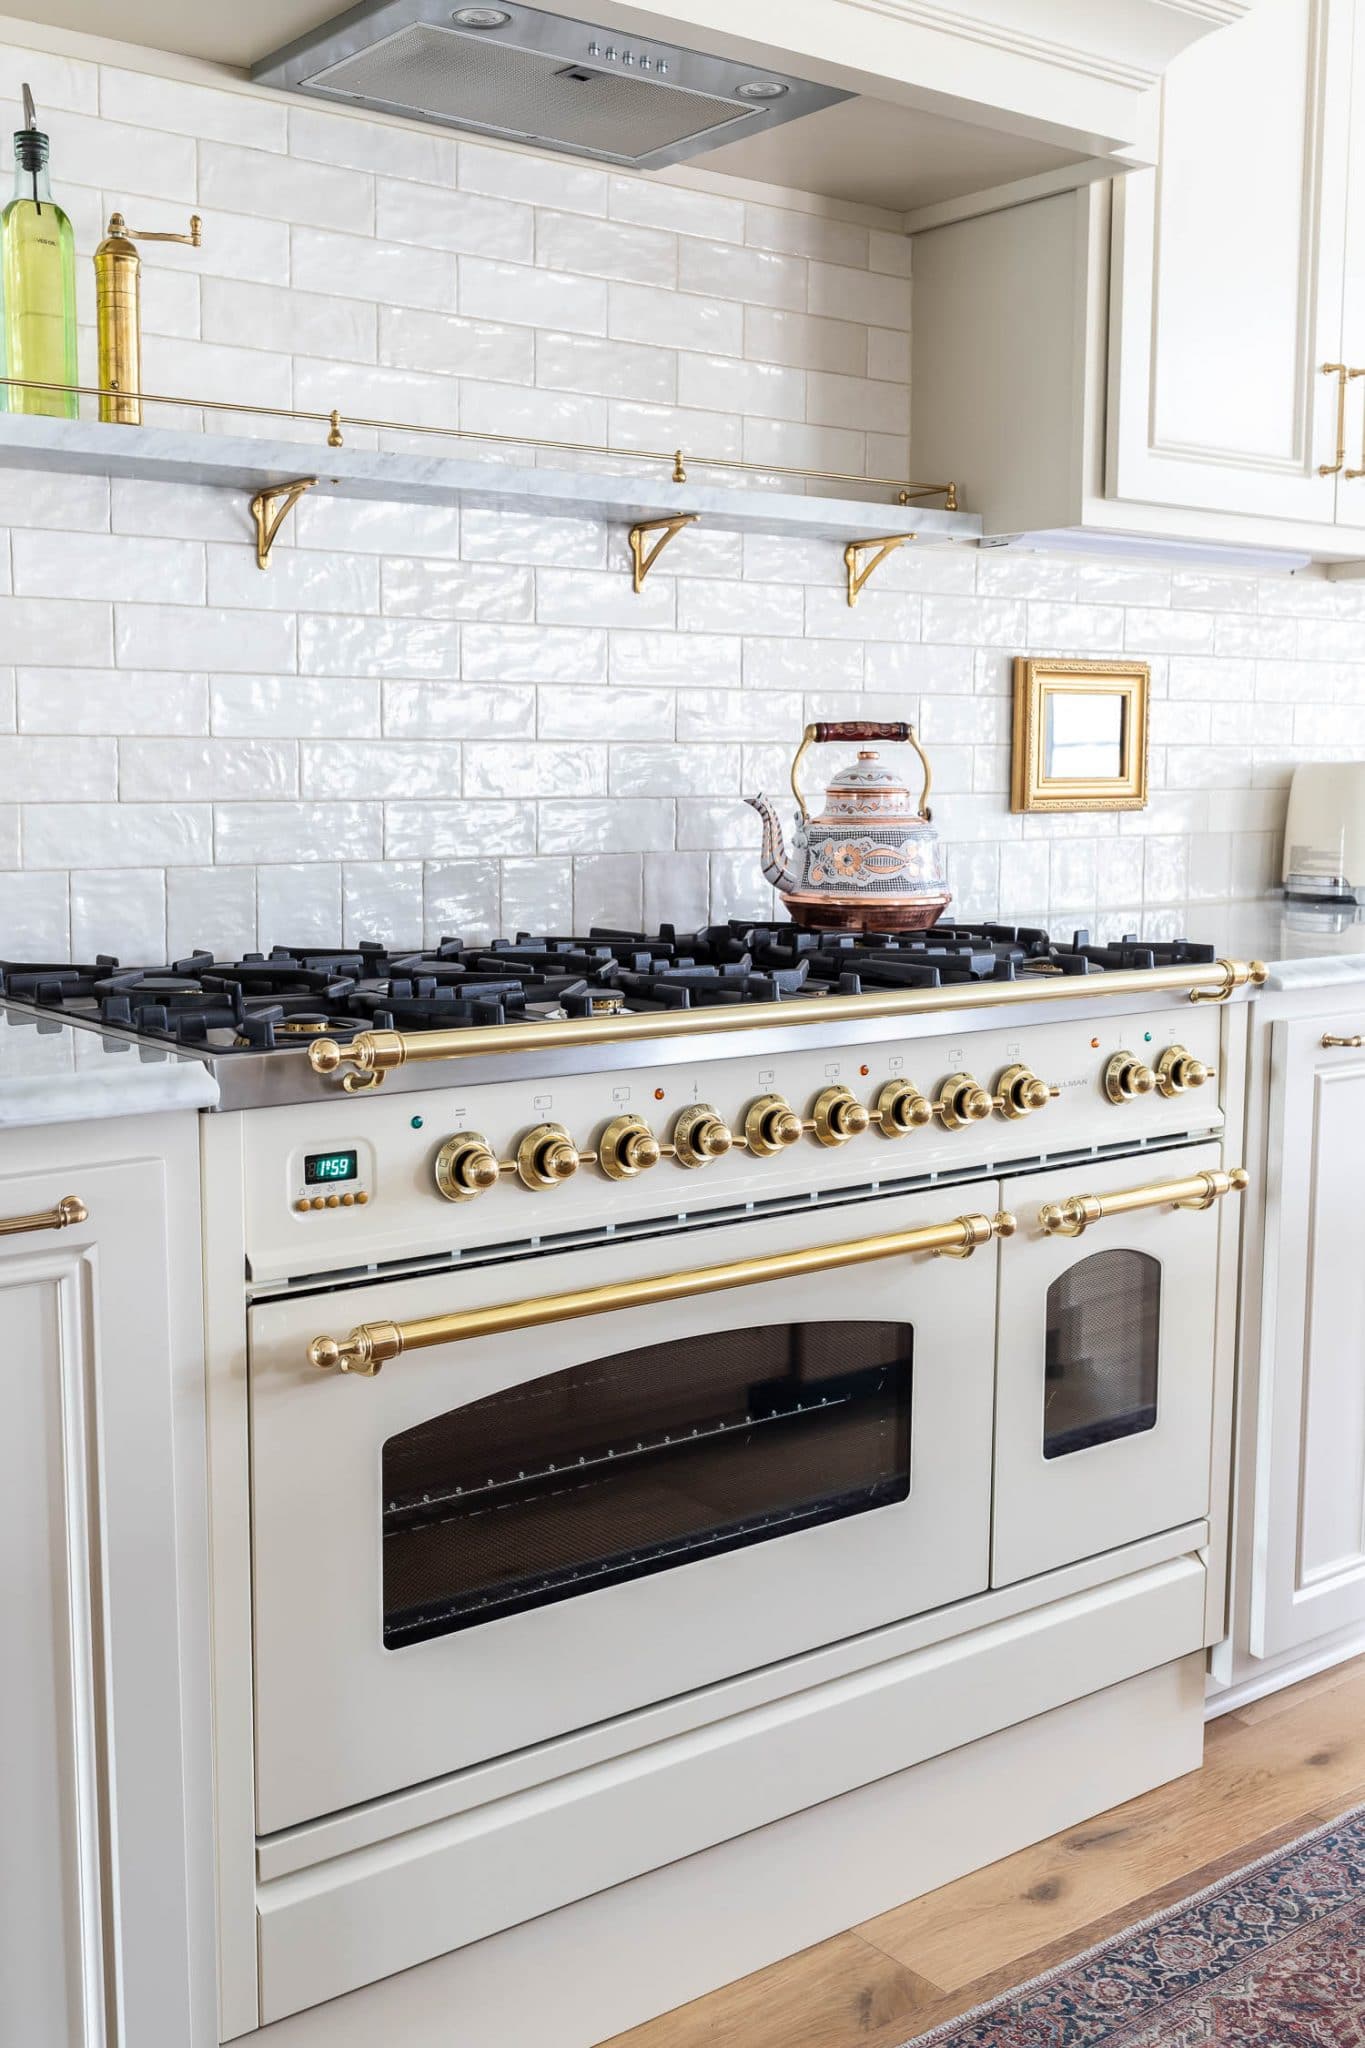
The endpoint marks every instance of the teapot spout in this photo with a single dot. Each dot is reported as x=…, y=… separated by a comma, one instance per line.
x=774, y=851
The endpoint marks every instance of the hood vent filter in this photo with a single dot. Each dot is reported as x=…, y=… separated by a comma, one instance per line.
x=540, y=79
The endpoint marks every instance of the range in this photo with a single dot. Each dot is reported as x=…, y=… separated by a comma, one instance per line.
x=662, y=1385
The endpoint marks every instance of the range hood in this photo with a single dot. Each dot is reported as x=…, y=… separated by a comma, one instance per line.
x=524, y=76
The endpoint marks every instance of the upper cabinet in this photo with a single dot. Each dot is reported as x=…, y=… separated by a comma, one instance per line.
x=1186, y=347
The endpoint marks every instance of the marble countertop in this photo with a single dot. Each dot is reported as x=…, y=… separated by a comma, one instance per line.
x=53, y=1073
x=1304, y=945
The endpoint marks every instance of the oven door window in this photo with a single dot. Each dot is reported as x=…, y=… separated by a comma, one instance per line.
x=638, y=1463
x=1103, y=1337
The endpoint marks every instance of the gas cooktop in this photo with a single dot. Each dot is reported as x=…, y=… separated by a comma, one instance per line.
x=271, y=1002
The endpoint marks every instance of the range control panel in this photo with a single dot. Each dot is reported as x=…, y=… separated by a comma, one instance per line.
x=348, y=1181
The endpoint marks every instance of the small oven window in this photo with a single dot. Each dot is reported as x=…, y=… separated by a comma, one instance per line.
x=641, y=1462
x=1103, y=1334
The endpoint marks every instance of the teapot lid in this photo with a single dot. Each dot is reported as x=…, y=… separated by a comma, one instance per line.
x=867, y=772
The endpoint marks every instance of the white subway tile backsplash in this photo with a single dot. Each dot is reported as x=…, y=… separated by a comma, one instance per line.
x=641, y=312
x=651, y=203
x=755, y=277
x=421, y=722
x=460, y=222
x=347, y=646
x=168, y=636
x=454, y=831
x=170, y=770
x=288, y=832
x=292, y=706
x=528, y=297
x=461, y=900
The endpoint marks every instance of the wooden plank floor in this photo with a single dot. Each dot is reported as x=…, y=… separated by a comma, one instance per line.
x=1272, y=1771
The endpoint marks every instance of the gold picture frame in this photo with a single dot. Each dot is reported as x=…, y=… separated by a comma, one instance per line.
x=1080, y=734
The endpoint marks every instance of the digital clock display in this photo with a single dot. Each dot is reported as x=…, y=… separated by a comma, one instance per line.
x=321, y=1168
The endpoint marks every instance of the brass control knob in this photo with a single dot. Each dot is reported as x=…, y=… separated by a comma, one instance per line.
x=1125, y=1078
x=901, y=1109
x=699, y=1136
x=839, y=1116
x=770, y=1125
x=627, y=1147
x=1178, y=1069
x=1019, y=1092
x=546, y=1157
x=962, y=1101
x=465, y=1167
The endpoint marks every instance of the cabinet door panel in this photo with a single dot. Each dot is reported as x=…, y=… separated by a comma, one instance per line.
x=1310, y=1509
x=1351, y=489
x=1228, y=273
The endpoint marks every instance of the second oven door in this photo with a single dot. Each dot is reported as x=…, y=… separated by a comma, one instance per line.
x=1104, y=1397
x=501, y=1539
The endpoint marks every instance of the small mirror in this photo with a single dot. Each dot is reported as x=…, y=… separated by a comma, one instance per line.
x=1080, y=735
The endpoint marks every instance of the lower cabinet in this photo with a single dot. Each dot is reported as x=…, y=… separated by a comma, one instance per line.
x=1308, y=1568
x=95, y=1859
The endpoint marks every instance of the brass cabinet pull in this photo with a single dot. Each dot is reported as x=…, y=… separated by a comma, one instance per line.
x=70, y=1209
x=1074, y=1215
x=1341, y=372
x=1329, y=1039
x=1351, y=474
x=367, y=1348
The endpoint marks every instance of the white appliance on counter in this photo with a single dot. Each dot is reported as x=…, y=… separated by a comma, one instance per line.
x=1324, y=832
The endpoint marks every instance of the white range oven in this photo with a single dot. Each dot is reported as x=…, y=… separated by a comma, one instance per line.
x=538, y=1458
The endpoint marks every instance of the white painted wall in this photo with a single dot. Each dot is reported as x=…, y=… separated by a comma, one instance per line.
x=416, y=724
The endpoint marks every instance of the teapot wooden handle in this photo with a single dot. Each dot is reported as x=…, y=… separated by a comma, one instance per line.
x=840, y=729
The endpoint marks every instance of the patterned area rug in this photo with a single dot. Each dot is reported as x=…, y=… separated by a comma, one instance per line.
x=1271, y=1957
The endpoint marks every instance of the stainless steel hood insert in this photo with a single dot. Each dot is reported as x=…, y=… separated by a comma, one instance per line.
x=538, y=78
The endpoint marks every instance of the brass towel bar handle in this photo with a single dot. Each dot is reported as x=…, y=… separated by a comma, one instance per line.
x=70, y=1209
x=369, y=1347
x=1071, y=1217
x=1329, y=1039
x=365, y=1059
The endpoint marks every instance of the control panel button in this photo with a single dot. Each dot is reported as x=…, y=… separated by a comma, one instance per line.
x=901, y=1109
x=770, y=1125
x=303, y=1203
x=1019, y=1092
x=1178, y=1069
x=700, y=1135
x=962, y=1101
x=333, y=1201
x=319, y=1201
x=1126, y=1078
x=348, y=1201
x=839, y=1116
x=627, y=1147
x=465, y=1167
x=361, y=1198
x=546, y=1158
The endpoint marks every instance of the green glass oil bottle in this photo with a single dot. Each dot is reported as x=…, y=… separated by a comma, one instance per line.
x=37, y=283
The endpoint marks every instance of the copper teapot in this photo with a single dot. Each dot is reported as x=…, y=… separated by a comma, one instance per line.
x=871, y=861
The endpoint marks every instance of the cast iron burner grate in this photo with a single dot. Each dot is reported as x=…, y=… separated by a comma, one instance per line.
x=266, y=1002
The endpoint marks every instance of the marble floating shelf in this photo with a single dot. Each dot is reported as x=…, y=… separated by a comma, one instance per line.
x=244, y=463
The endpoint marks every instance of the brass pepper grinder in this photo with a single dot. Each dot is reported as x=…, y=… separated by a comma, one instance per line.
x=118, y=316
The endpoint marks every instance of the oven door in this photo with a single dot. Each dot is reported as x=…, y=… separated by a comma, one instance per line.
x=1104, y=1394
x=523, y=1531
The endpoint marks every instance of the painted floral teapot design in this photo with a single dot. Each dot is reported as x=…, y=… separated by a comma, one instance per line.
x=869, y=861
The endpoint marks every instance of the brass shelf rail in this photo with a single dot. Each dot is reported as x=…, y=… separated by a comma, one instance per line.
x=371, y=1345
x=371, y=1054
x=337, y=421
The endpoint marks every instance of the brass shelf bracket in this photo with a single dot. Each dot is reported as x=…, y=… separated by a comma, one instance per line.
x=858, y=571
x=270, y=509
x=667, y=530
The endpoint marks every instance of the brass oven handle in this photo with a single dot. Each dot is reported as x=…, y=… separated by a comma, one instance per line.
x=363, y=1062
x=1341, y=372
x=367, y=1348
x=70, y=1209
x=1200, y=1191
x=1329, y=1039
